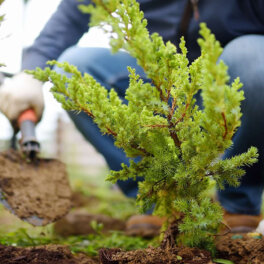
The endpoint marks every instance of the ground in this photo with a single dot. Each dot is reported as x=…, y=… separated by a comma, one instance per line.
x=20, y=243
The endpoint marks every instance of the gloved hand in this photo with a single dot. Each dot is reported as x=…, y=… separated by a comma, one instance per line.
x=21, y=93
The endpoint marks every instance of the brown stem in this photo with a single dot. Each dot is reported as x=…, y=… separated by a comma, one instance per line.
x=88, y=113
x=135, y=146
x=111, y=132
x=158, y=87
x=175, y=138
x=171, y=124
x=183, y=114
x=170, y=235
x=172, y=109
x=156, y=125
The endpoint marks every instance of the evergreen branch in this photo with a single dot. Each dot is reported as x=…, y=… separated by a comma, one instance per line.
x=138, y=50
x=225, y=125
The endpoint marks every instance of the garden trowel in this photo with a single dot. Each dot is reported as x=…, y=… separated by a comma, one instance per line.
x=35, y=189
x=28, y=143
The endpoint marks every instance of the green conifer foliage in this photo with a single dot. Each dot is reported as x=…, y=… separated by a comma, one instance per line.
x=178, y=142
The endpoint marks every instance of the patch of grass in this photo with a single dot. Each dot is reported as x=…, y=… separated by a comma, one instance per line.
x=92, y=243
x=89, y=244
x=22, y=238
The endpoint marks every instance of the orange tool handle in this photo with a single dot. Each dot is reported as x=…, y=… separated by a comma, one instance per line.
x=27, y=115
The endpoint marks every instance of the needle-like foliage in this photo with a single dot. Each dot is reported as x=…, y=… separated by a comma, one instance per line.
x=178, y=141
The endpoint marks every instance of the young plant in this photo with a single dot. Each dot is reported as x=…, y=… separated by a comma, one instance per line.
x=178, y=141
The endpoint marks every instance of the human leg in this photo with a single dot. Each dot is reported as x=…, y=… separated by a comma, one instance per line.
x=111, y=72
x=244, y=57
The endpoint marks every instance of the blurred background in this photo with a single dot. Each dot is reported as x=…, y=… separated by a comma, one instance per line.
x=23, y=21
x=59, y=139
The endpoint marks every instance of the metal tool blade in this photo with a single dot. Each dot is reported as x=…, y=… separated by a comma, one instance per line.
x=29, y=144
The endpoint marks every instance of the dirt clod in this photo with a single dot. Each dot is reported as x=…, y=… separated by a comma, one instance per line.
x=34, y=189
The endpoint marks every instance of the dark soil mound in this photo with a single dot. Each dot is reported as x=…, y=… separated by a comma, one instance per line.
x=41, y=255
x=156, y=256
x=241, y=248
x=34, y=190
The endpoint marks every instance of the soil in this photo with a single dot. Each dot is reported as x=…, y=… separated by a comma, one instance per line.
x=156, y=256
x=239, y=248
x=42, y=189
x=52, y=254
x=38, y=192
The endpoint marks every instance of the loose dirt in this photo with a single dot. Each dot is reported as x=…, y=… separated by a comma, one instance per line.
x=52, y=254
x=156, y=256
x=241, y=249
x=34, y=189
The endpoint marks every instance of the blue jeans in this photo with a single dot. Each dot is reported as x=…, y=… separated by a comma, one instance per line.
x=244, y=57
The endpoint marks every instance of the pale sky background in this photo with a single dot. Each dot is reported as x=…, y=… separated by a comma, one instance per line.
x=21, y=26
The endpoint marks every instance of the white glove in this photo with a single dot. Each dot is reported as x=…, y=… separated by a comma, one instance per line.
x=260, y=228
x=19, y=94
